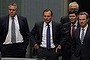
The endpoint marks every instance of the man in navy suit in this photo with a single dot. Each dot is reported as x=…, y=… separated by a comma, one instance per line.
x=13, y=46
x=58, y=36
x=81, y=46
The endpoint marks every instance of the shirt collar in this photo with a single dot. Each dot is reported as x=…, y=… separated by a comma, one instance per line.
x=15, y=17
x=75, y=23
x=49, y=23
x=85, y=27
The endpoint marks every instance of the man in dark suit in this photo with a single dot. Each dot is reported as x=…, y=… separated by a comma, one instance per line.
x=14, y=34
x=70, y=26
x=73, y=6
x=82, y=39
x=57, y=38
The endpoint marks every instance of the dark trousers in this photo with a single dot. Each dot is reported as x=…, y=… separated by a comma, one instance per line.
x=66, y=54
x=48, y=54
x=16, y=50
x=76, y=57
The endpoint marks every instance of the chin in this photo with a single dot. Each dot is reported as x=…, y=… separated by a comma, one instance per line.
x=47, y=21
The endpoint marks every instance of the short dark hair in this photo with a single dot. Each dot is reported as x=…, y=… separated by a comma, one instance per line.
x=71, y=12
x=46, y=10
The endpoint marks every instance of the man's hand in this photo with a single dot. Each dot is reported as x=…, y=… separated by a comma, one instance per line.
x=58, y=47
x=36, y=46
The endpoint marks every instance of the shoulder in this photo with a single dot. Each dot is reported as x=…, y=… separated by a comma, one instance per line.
x=88, y=28
x=56, y=23
x=66, y=24
x=65, y=17
x=21, y=17
x=3, y=17
x=39, y=23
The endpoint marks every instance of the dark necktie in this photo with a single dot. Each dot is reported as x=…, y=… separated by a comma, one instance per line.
x=13, y=34
x=82, y=36
x=73, y=29
x=48, y=37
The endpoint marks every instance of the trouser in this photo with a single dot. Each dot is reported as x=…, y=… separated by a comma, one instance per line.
x=16, y=50
x=48, y=54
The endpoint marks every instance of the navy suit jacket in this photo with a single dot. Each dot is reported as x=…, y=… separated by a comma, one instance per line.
x=24, y=30
x=60, y=34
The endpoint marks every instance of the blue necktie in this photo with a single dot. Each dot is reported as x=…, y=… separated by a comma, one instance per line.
x=48, y=37
x=13, y=34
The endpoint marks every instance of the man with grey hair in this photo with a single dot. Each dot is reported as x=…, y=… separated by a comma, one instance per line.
x=81, y=44
x=14, y=33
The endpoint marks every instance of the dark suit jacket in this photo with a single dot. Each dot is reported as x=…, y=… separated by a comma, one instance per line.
x=68, y=26
x=67, y=50
x=24, y=30
x=64, y=19
x=60, y=34
x=82, y=49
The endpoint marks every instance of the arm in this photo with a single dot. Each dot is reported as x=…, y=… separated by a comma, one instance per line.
x=65, y=36
x=25, y=32
x=34, y=36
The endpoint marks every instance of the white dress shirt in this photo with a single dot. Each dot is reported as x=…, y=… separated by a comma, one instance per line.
x=74, y=27
x=43, y=43
x=19, y=38
x=85, y=29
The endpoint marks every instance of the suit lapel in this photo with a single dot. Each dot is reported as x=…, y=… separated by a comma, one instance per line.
x=78, y=35
x=19, y=21
x=69, y=27
x=53, y=29
x=87, y=34
x=41, y=29
x=7, y=23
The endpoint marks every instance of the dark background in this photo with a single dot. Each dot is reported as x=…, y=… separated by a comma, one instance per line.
x=84, y=5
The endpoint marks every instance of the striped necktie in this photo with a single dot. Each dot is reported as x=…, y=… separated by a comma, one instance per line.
x=13, y=34
x=82, y=35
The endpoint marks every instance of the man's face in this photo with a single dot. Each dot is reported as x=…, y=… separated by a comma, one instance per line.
x=72, y=18
x=83, y=20
x=73, y=7
x=47, y=17
x=12, y=10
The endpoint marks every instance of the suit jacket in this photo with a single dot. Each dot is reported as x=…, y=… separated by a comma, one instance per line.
x=67, y=52
x=24, y=30
x=82, y=50
x=64, y=19
x=68, y=26
x=60, y=34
